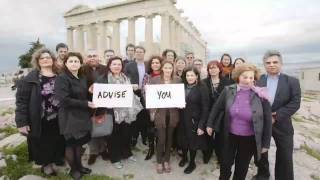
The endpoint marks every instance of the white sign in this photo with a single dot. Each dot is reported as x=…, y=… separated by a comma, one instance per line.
x=165, y=96
x=112, y=95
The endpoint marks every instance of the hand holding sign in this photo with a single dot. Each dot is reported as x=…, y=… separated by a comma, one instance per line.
x=135, y=87
x=91, y=89
x=165, y=96
x=91, y=105
x=112, y=95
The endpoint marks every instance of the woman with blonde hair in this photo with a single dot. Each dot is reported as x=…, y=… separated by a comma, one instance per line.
x=246, y=122
x=37, y=112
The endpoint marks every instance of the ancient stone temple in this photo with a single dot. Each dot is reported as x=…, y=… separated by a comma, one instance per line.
x=99, y=28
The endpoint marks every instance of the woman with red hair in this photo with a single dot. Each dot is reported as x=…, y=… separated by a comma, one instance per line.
x=215, y=84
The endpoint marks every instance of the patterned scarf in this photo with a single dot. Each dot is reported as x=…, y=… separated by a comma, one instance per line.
x=127, y=115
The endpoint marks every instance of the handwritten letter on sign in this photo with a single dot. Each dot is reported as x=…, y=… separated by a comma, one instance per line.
x=165, y=96
x=112, y=95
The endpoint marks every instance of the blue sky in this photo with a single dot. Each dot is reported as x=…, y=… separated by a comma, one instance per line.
x=244, y=28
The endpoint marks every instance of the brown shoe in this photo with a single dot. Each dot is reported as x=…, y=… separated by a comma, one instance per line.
x=159, y=168
x=167, y=167
x=92, y=159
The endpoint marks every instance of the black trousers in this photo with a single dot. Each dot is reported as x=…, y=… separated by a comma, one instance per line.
x=284, y=161
x=119, y=142
x=240, y=150
x=217, y=146
x=141, y=124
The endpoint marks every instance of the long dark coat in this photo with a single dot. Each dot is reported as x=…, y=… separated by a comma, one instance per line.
x=74, y=113
x=213, y=96
x=194, y=116
x=45, y=144
x=28, y=104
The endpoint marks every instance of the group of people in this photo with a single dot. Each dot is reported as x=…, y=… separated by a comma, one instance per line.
x=230, y=109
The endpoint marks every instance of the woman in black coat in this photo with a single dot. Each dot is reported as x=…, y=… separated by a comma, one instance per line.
x=215, y=83
x=37, y=112
x=74, y=116
x=194, y=116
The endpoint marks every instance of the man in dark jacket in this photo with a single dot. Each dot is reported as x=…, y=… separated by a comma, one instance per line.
x=130, y=54
x=285, y=95
x=92, y=70
x=136, y=71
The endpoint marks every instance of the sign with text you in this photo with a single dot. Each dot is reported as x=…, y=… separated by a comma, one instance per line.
x=165, y=96
x=112, y=95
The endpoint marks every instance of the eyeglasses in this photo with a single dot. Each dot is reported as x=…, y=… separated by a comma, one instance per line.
x=46, y=57
x=92, y=56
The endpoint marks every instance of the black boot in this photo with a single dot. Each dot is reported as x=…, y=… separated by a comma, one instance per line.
x=150, y=152
x=206, y=156
x=151, y=138
x=134, y=142
x=184, y=159
x=192, y=166
x=76, y=175
x=85, y=170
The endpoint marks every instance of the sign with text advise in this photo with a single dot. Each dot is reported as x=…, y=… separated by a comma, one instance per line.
x=112, y=95
x=165, y=96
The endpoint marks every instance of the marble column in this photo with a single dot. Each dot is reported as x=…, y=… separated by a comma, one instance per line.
x=91, y=36
x=79, y=46
x=149, y=35
x=70, y=38
x=165, y=32
x=173, y=37
x=116, y=37
x=179, y=39
x=102, y=38
x=131, y=30
x=190, y=42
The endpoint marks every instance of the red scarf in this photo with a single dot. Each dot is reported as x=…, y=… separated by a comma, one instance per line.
x=155, y=73
x=227, y=70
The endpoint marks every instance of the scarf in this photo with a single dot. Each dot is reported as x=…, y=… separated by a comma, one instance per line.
x=227, y=70
x=262, y=92
x=154, y=74
x=127, y=115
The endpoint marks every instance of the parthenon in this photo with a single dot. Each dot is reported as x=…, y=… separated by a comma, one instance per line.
x=99, y=28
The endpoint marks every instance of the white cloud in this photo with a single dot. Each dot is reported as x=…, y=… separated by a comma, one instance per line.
x=241, y=27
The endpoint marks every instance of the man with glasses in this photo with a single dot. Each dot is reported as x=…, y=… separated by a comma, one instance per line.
x=189, y=58
x=198, y=64
x=92, y=70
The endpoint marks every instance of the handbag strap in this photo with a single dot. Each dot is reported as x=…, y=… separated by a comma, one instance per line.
x=94, y=113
